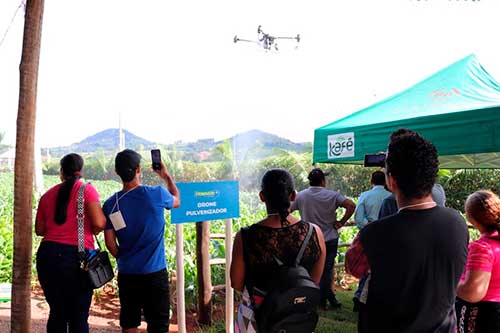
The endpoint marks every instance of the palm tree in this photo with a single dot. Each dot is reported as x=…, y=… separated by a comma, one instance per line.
x=24, y=169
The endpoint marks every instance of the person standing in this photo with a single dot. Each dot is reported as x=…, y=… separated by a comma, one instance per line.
x=319, y=205
x=417, y=255
x=66, y=289
x=369, y=202
x=390, y=206
x=367, y=211
x=480, y=283
x=135, y=218
x=278, y=235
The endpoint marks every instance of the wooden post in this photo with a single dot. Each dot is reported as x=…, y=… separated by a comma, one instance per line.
x=24, y=168
x=181, y=308
x=229, y=290
x=203, y=273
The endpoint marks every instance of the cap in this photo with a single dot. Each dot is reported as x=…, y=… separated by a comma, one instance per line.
x=126, y=162
x=316, y=175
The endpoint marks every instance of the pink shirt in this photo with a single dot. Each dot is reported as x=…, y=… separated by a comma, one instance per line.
x=484, y=255
x=67, y=232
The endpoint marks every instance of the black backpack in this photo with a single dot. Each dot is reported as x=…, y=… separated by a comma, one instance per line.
x=291, y=301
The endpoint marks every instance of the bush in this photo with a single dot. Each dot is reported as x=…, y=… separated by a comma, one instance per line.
x=460, y=183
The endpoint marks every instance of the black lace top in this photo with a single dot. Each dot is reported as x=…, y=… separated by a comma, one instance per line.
x=261, y=242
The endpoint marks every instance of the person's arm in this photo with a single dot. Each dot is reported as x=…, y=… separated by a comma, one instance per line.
x=359, y=213
x=169, y=181
x=474, y=287
x=237, y=264
x=349, y=206
x=294, y=206
x=97, y=218
x=40, y=227
x=111, y=244
x=39, y=220
x=319, y=265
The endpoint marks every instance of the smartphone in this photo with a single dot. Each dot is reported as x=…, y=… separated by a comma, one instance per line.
x=375, y=160
x=156, y=159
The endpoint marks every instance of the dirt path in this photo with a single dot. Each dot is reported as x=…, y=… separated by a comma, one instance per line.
x=103, y=318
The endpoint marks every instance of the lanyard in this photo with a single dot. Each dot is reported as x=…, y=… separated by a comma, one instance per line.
x=121, y=196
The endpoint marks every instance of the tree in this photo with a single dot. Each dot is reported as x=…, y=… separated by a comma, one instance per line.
x=24, y=168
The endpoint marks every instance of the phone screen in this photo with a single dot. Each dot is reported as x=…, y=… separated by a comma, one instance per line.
x=376, y=160
x=156, y=159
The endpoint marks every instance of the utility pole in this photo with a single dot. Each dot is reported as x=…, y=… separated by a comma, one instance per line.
x=120, y=133
x=24, y=167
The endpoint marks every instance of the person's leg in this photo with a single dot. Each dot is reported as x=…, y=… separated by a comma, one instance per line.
x=332, y=299
x=49, y=263
x=157, y=302
x=327, y=277
x=130, y=293
x=357, y=294
x=82, y=297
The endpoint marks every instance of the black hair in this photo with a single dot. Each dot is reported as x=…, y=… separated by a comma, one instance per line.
x=316, y=181
x=126, y=164
x=277, y=185
x=71, y=166
x=378, y=178
x=413, y=162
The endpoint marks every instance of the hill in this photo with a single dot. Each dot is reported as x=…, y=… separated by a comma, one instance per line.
x=253, y=144
x=248, y=145
x=258, y=144
x=107, y=141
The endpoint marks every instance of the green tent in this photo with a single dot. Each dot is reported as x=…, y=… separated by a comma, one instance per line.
x=457, y=108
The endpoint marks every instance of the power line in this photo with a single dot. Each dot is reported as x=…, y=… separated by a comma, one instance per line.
x=22, y=4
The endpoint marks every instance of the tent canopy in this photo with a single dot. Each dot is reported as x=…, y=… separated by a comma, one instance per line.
x=457, y=108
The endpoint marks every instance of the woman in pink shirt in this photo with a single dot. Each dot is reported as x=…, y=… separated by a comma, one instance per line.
x=67, y=291
x=481, y=280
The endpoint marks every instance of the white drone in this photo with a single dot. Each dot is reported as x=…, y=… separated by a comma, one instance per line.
x=266, y=41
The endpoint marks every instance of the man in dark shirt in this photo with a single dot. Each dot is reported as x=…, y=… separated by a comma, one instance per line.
x=417, y=255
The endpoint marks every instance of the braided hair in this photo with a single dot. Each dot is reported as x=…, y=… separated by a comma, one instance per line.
x=484, y=207
x=71, y=167
x=277, y=185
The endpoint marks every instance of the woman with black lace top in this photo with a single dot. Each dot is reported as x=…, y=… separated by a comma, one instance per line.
x=278, y=234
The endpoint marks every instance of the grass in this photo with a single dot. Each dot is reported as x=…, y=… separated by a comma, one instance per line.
x=342, y=320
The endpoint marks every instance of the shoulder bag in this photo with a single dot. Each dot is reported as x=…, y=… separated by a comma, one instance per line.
x=95, y=263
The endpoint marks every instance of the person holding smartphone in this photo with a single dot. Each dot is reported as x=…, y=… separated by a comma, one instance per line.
x=134, y=235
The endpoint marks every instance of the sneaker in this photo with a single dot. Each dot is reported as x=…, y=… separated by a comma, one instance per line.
x=356, y=302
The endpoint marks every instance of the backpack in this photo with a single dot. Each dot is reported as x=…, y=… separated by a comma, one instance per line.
x=291, y=301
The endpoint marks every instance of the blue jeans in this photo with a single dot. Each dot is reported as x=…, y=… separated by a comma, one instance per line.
x=66, y=289
x=325, y=284
x=361, y=285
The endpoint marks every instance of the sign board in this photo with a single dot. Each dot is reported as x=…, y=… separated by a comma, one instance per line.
x=207, y=201
x=341, y=145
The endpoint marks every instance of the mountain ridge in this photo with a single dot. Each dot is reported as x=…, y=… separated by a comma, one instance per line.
x=249, y=144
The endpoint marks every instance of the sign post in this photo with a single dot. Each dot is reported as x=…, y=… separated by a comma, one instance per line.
x=205, y=202
x=229, y=289
x=179, y=255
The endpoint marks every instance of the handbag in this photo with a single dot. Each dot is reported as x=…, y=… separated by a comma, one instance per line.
x=95, y=264
x=356, y=262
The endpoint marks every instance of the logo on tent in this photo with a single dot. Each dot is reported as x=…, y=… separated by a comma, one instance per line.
x=341, y=145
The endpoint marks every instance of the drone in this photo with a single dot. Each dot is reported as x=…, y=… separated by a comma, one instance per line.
x=266, y=41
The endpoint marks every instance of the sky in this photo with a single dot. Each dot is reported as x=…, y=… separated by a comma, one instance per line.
x=173, y=72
